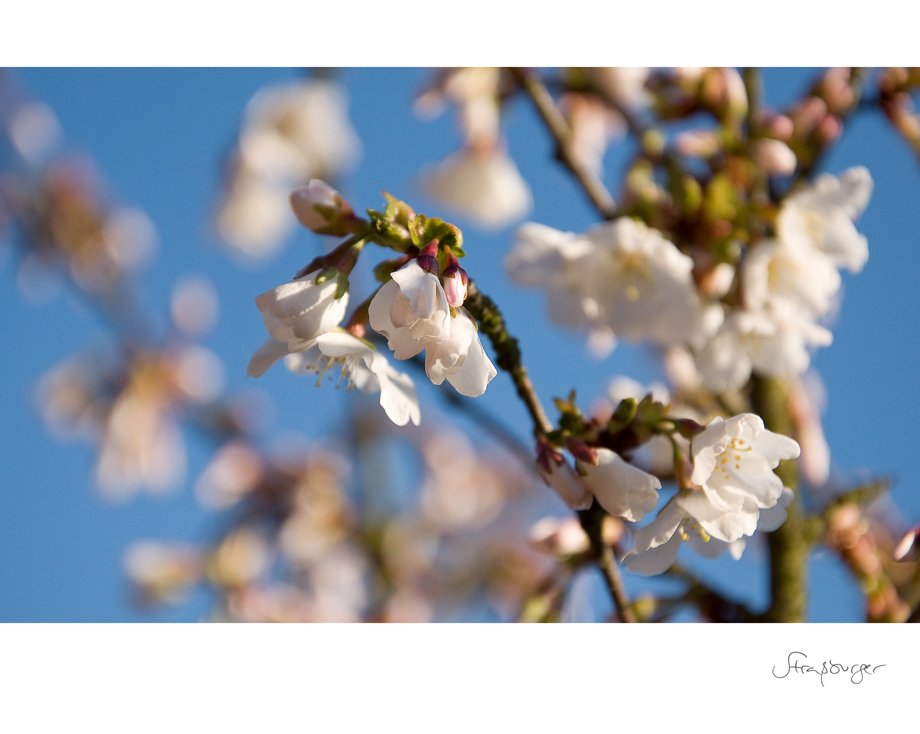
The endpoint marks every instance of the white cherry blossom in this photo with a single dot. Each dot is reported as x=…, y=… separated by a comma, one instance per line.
x=773, y=342
x=363, y=367
x=824, y=215
x=297, y=312
x=621, y=275
x=412, y=311
x=620, y=488
x=733, y=462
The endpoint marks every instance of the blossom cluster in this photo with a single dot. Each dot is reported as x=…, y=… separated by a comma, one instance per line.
x=418, y=308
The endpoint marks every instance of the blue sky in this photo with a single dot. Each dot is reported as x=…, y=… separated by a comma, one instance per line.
x=158, y=136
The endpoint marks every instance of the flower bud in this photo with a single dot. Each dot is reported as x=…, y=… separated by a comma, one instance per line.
x=455, y=282
x=581, y=451
x=558, y=474
x=778, y=126
x=774, y=156
x=320, y=208
x=909, y=547
x=698, y=143
x=428, y=258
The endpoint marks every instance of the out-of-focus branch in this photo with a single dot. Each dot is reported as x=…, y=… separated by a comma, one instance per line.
x=531, y=83
x=789, y=547
x=711, y=604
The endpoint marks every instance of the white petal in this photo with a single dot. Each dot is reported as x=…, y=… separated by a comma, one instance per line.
x=265, y=356
x=397, y=395
x=620, y=488
x=567, y=484
x=654, y=561
x=660, y=530
x=772, y=517
x=477, y=370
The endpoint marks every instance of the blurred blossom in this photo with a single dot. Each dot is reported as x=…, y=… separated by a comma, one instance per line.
x=823, y=216
x=559, y=536
x=34, y=130
x=66, y=222
x=130, y=409
x=408, y=606
x=239, y=559
x=483, y=184
x=620, y=274
x=774, y=156
x=460, y=489
x=254, y=215
x=815, y=461
x=475, y=91
x=624, y=85
x=291, y=133
x=75, y=397
x=698, y=143
x=162, y=572
x=680, y=368
x=232, y=474
x=194, y=306
x=592, y=125
x=298, y=131
x=339, y=581
x=199, y=373
x=142, y=447
x=773, y=342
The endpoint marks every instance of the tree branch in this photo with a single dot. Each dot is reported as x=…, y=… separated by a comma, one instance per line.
x=531, y=83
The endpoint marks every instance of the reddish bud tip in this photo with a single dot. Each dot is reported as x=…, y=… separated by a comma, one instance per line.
x=581, y=451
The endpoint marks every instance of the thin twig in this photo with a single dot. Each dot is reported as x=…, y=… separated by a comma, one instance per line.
x=508, y=358
x=592, y=521
x=596, y=191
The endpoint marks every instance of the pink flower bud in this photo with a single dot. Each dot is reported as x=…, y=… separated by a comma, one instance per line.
x=581, y=451
x=830, y=129
x=317, y=193
x=455, y=282
x=774, y=156
x=778, y=126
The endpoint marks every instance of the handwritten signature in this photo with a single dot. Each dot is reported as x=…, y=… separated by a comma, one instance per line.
x=857, y=671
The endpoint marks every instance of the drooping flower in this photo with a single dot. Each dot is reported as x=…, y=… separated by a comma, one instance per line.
x=620, y=488
x=298, y=312
x=412, y=311
x=733, y=462
x=363, y=367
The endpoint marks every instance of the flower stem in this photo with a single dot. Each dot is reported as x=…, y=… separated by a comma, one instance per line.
x=789, y=546
x=532, y=84
x=507, y=354
x=508, y=358
x=592, y=520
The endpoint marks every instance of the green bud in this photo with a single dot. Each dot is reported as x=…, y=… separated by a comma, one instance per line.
x=341, y=285
x=625, y=411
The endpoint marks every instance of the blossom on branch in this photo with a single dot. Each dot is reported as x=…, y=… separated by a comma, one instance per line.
x=733, y=462
x=412, y=311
